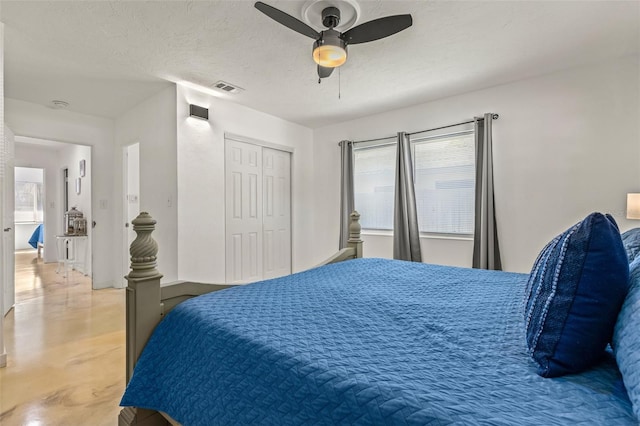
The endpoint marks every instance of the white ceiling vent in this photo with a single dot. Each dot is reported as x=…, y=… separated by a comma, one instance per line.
x=223, y=86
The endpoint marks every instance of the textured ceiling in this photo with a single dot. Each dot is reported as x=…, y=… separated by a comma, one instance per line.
x=105, y=57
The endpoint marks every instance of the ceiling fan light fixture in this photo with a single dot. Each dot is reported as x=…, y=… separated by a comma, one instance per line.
x=329, y=56
x=330, y=51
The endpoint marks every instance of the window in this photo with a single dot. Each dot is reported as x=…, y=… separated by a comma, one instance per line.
x=444, y=179
x=28, y=195
x=373, y=182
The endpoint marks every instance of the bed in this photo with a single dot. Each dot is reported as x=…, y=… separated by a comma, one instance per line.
x=37, y=239
x=377, y=341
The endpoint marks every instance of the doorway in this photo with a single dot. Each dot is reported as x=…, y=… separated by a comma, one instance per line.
x=131, y=202
x=66, y=183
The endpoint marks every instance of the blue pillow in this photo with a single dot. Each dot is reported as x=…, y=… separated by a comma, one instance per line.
x=631, y=242
x=573, y=297
x=626, y=338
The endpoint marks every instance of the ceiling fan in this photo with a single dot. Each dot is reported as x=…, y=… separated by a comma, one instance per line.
x=330, y=46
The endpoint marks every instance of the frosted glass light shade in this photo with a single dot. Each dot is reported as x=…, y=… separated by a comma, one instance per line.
x=633, y=206
x=329, y=56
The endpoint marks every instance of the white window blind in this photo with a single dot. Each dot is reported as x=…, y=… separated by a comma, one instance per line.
x=374, y=180
x=444, y=179
x=444, y=169
x=28, y=195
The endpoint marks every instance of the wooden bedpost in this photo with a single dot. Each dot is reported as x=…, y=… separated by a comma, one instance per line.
x=143, y=292
x=144, y=309
x=354, y=240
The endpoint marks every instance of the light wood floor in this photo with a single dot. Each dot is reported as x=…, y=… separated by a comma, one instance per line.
x=65, y=346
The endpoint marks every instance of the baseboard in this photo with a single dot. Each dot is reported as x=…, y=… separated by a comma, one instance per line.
x=105, y=284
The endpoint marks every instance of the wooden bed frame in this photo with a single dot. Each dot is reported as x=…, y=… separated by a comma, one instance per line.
x=148, y=301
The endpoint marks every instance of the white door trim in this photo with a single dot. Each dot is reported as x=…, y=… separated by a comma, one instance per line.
x=257, y=142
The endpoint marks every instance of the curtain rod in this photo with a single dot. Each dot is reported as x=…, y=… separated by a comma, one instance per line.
x=494, y=116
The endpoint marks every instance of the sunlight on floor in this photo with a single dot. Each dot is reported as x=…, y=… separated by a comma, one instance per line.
x=65, y=346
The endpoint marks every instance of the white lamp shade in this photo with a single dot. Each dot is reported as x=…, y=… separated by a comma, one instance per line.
x=633, y=206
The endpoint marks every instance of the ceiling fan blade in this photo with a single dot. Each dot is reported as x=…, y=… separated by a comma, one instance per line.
x=287, y=20
x=324, y=72
x=377, y=29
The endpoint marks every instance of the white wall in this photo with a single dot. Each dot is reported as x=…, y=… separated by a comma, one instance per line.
x=201, y=216
x=566, y=144
x=37, y=121
x=152, y=124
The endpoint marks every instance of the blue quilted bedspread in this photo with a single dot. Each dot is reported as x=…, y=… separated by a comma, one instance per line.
x=367, y=341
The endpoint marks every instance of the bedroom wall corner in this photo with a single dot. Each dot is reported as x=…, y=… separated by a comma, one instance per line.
x=201, y=190
x=151, y=124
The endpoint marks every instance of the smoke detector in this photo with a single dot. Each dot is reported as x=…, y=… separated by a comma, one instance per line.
x=58, y=104
x=225, y=87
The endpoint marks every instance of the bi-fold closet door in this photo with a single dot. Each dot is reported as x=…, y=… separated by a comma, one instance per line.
x=258, y=211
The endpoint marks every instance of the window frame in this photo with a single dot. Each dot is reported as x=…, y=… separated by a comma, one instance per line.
x=427, y=139
x=35, y=213
x=413, y=143
x=386, y=142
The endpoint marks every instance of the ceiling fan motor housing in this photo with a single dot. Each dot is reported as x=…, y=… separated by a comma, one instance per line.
x=331, y=17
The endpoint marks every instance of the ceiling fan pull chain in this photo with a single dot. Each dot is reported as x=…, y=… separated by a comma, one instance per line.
x=339, y=84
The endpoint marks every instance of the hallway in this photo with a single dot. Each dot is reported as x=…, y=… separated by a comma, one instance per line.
x=65, y=346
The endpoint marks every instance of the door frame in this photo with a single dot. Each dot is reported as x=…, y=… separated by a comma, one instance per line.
x=126, y=220
x=8, y=223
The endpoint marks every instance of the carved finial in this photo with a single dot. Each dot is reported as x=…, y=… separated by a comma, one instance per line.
x=144, y=249
x=354, y=227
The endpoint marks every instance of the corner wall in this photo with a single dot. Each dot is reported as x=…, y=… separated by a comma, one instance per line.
x=566, y=144
x=152, y=124
x=201, y=190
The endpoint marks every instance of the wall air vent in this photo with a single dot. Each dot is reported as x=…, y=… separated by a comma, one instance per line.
x=223, y=86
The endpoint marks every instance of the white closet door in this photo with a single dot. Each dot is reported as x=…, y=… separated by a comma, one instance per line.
x=243, y=180
x=276, y=172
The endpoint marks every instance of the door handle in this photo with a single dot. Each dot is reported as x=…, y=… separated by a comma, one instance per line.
x=7, y=229
x=126, y=225
x=93, y=224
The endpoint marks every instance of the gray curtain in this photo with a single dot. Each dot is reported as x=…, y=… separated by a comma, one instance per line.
x=346, y=190
x=406, y=235
x=486, y=250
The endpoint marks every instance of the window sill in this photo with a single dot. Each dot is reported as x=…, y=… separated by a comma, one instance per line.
x=425, y=236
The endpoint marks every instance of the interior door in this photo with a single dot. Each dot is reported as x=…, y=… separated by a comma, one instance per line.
x=243, y=186
x=131, y=168
x=8, y=234
x=276, y=172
